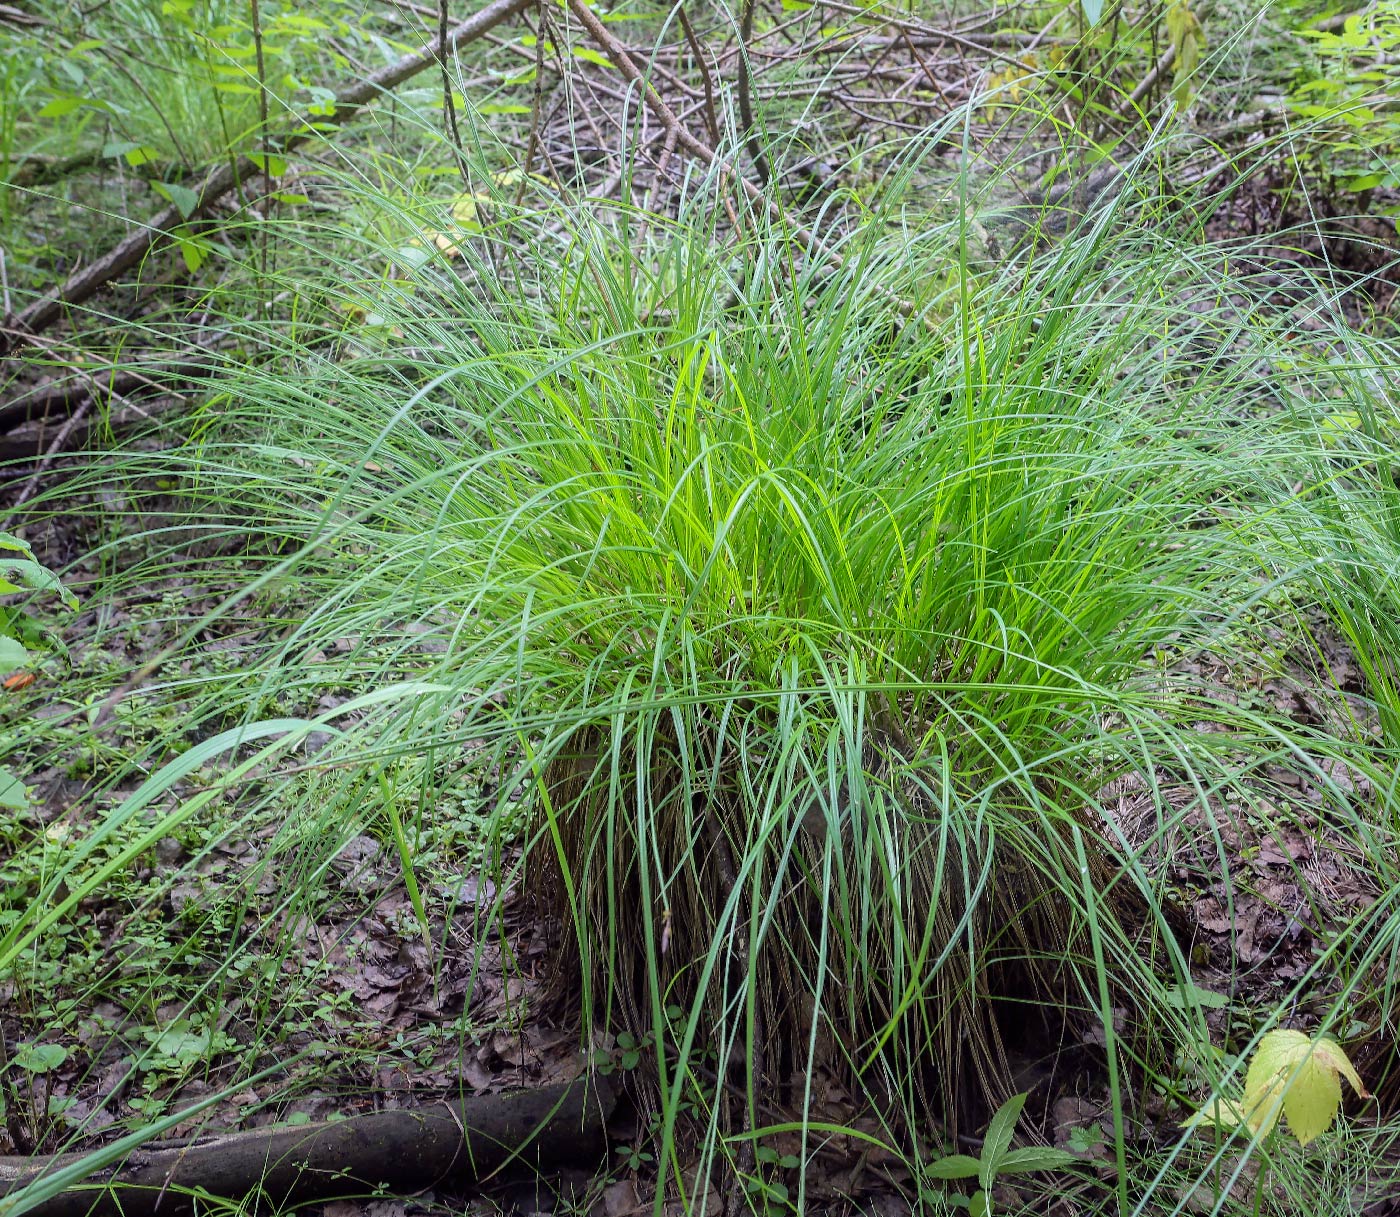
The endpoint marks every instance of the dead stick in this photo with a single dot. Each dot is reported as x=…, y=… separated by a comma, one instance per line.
x=760, y=163
x=65, y=396
x=711, y=115
x=31, y=484
x=128, y=252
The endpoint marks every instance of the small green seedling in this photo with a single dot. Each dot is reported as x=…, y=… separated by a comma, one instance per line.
x=632, y=1158
x=1291, y=1074
x=998, y=1158
x=770, y=1195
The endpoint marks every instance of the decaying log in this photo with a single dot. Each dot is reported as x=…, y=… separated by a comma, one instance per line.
x=407, y=1150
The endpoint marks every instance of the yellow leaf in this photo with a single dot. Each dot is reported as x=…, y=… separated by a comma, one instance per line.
x=447, y=244
x=1327, y=1050
x=1294, y=1074
x=464, y=207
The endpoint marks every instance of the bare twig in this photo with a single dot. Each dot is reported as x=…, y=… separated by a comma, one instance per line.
x=65, y=396
x=1154, y=74
x=31, y=483
x=264, y=133
x=983, y=46
x=536, y=102
x=711, y=114
x=449, y=107
x=924, y=67
x=662, y=165
x=760, y=162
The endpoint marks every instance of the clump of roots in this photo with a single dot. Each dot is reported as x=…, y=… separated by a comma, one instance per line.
x=869, y=927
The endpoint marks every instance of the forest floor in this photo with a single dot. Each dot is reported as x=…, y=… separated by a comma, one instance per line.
x=387, y=1011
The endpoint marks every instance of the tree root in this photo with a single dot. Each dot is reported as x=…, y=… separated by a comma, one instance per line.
x=406, y=1150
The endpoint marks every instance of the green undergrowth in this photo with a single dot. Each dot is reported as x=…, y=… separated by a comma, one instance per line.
x=786, y=626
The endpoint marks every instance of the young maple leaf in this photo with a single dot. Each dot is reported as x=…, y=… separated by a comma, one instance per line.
x=1302, y=1077
x=1292, y=1074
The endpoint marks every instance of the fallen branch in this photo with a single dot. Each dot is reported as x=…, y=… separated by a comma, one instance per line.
x=60, y=399
x=399, y=1150
x=129, y=251
x=49, y=454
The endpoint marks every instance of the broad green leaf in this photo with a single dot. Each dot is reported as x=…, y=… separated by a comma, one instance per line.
x=1341, y=421
x=276, y=166
x=1034, y=1158
x=999, y=1134
x=180, y=1041
x=589, y=55
x=40, y=1058
x=61, y=106
x=956, y=1166
x=1184, y=997
x=184, y=199
x=12, y=792
x=1093, y=10
x=14, y=572
x=12, y=654
x=194, y=252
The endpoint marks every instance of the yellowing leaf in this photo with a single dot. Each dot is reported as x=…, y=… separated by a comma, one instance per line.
x=1337, y=425
x=1301, y=1077
x=464, y=207
x=1012, y=80
x=1292, y=1074
x=1188, y=39
x=589, y=55
x=464, y=211
x=1330, y=1053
